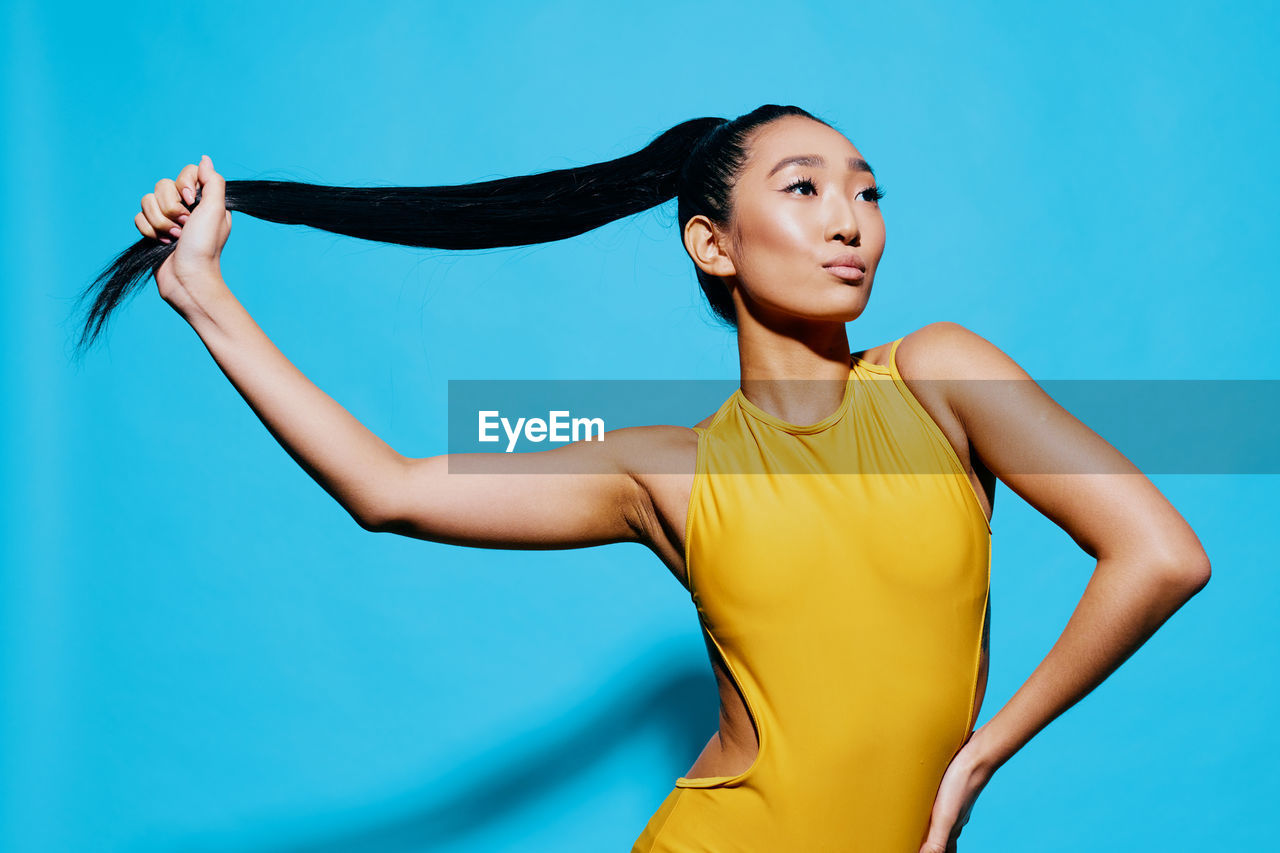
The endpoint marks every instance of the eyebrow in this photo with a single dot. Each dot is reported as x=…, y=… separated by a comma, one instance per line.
x=855, y=165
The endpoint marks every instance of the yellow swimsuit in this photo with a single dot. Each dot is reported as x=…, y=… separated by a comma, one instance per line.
x=848, y=608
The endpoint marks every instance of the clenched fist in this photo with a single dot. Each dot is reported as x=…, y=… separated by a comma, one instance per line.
x=172, y=213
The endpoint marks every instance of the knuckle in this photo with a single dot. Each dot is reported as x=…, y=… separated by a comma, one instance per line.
x=151, y=207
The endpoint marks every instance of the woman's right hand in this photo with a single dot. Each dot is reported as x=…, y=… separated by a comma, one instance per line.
x=201, y=233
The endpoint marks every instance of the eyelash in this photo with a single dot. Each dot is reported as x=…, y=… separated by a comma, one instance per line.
x=874, y=192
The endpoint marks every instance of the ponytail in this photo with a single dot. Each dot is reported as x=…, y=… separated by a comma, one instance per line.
x=696, y=160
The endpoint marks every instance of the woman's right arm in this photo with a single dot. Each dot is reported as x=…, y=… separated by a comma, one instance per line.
x=572, y=496
x=530, y=503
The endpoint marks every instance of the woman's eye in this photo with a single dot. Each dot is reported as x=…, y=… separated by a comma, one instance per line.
x=803, y=182
x=873, y=193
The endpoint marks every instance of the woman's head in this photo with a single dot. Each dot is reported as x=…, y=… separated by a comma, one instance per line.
x=766, y=201
x=754, y=245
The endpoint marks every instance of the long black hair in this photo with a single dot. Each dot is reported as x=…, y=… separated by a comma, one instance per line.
x=697, y=161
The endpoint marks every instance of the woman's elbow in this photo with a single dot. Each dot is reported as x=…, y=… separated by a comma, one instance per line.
x=1191, y=571
x=375, y=514
x=375, y=518
x=1200, y=572
x=378, y=506
x=371, y=523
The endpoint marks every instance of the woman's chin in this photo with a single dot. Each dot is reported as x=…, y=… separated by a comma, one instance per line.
x=846, y=310
x=843, y=307
x=835, y=314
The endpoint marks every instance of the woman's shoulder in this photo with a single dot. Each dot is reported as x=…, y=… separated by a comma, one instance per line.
x=878, y=355
x=654, y=448
x=935, y=349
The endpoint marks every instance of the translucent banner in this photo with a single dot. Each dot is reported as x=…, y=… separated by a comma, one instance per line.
x=1174, y=426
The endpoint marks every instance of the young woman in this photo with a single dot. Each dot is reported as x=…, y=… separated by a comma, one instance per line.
x=842, y=587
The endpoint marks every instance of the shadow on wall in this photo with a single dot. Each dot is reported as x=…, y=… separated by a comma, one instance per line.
x=677, y=695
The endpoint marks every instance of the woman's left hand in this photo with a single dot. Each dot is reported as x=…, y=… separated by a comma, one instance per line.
x=965, y=778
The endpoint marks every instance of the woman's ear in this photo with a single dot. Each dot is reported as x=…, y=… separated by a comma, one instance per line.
x=705, y=244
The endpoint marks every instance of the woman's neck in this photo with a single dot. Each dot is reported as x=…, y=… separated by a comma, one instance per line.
x=797, y=374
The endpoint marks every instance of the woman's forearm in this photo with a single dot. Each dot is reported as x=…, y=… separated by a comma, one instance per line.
x=1123, y=605
x=351, y=463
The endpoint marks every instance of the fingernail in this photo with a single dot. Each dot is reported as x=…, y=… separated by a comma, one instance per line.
x=188, y=196
x=165, y=240
x=175, y=231
x=182, y=219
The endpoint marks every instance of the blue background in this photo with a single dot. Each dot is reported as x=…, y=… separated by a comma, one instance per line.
x=201, y=651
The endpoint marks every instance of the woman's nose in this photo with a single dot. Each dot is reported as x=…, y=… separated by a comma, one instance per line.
x=842, y=222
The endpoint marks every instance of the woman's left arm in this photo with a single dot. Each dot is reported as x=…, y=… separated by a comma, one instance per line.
x=1150, y=561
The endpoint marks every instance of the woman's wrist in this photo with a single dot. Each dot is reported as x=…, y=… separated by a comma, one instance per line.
x=986, y=752
x=204, y=296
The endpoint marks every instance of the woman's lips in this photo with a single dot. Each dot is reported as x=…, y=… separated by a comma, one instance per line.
x=847, y=273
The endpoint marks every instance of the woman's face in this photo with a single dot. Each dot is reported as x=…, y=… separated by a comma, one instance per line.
x=804, y=199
